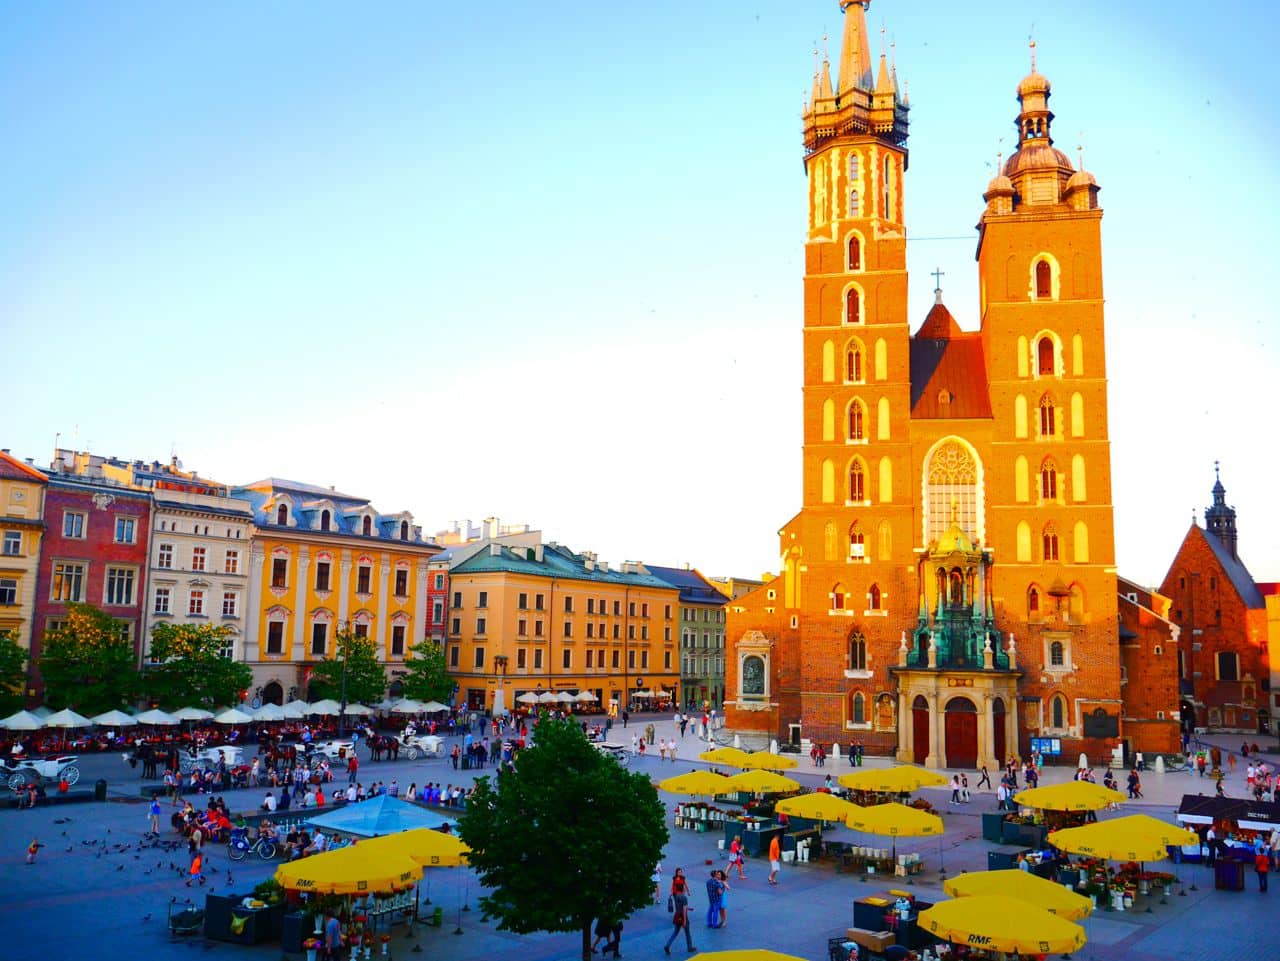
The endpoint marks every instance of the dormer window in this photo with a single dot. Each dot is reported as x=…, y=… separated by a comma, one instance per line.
x=367, y=526
x=404, y=530
x=324, y=520
x=282, y=515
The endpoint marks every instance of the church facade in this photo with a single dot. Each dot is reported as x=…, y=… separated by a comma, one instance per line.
x=948, y=588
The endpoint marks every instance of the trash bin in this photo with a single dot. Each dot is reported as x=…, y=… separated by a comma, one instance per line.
x=437, y=917
x=100, y=790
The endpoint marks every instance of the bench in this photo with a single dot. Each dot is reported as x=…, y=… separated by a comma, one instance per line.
x=63, y=797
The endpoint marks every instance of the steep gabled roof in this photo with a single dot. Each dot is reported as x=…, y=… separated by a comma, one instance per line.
x=694, y=588
x=949, y=378
x=13, y=469
x=1235, y=570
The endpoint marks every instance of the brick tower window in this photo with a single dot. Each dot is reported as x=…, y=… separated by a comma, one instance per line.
x=1057, y=657
x=857, y=482
x=837, y=597
x=854, y=371
x=1049, y=541
x=858, y=714
x=1048, y=481
x=873, y=598
x=1033, y=603
x=852, y=306
x=857, y=542
x=857, y=421
x=1045, y=354
x=1044, y=280
x=1048, y=417
x=857, y=652
x=853, y=203
x=855, y=252
x=1058, y=713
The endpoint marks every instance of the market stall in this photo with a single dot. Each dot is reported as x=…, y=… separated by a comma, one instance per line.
x=1001, y=923
x=895, y=820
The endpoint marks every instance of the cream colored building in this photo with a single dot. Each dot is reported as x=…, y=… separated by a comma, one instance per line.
x=22, y=490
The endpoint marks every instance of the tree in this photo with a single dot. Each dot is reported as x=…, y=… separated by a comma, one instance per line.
x=13, y=674
x=366, y=679
x=426, y=677
x=192, y=669
x=88, y=662
x=567, y=837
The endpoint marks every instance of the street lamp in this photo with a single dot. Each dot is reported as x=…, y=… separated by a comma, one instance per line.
x=346, y=651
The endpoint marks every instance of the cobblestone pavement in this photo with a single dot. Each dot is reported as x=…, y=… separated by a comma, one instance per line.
x=78, y=897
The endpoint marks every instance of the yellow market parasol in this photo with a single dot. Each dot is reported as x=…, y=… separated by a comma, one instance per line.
x=893, y=780
x=732, y=756
x=768, y=761
x=1164, y=832
x=818, y=806
x=1069, y=796
x=1024, y=886
x=429, y=848
x=352, y=870
x=894, y=820
x=761, y=782
x=996, y=923
x=696, y=782
x=744, y=954
x=1110, y=840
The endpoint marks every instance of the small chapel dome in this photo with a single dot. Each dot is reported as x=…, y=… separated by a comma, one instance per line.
x=1081, y=178
x=1033, y=83
x=955, y=541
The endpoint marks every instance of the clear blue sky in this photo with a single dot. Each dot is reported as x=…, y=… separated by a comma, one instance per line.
x=543, y=260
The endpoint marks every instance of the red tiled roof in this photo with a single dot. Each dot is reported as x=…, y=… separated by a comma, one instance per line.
x=13, y=469
x=939, y=324
x=949, y=376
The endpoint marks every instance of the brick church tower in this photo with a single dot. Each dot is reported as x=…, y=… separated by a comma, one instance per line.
x=948, y=588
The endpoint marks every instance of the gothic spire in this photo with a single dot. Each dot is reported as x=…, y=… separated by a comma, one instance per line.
x=1220, y=520
x=855, y=51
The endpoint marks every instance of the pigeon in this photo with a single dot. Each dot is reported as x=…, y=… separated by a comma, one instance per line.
x=146, y=918
x=120, y=867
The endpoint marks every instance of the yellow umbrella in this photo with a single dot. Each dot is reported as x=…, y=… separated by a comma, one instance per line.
x=732, y=756
x=760, y=782
x=894, y=820
x=768, y=761
x=818, y=806
x=896, y=780
x=696, y=782
x=350, y=870
x=1069, y=796
x=745, y=954
x=1024, y=886
x=996, y=923
x=1111, y=840
x=1164, y=832
x=432, y=849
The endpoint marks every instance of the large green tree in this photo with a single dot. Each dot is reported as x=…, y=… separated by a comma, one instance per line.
x=426, y=677
x=192, y=669
x=88, y=662
x=567, y=837
x=366, y=679
x=13, y=674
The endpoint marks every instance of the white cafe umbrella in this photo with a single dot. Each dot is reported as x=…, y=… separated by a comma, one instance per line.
x=232, y=716
x=661, y=693
x=269, y=712
x=586, y=697
x=22, y=721
x=296, y=709
x=115, y=719
x=359, y=710
x=42, y=712
x=548, y=697
x=385, y=704
x=499, y=702
x=325, y=708
x=565, y=697
x=528, y=697
x=643, y=694
x=432, y=707
x=67, y=718
x=192, y=714
x=406, y=705
x=156, y=716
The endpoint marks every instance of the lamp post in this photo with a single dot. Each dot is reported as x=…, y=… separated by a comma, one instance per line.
x=342, y=707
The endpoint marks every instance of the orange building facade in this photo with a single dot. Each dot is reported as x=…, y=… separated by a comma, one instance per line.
x=948, y=588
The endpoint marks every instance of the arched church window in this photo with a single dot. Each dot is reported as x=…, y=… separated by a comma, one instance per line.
x=852, y=307
x=1045, y=353
x=857, y=421
x=1044, y=280
x=857, y=542
x=1057, y=656
x=1049, y=543
x=857, y=482
x=853, y=203
x=857, y=652
x=1048, y=481
x=859, y=712
x=1059, y=712
x=952, y=492
x=873, y=598
x=853, y=364
x=837, y=597
x=1048, y=417
x=853, y=167
x=1033, y=602
x=855, y=252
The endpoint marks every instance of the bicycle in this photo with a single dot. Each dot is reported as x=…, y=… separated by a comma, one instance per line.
x=240, y=847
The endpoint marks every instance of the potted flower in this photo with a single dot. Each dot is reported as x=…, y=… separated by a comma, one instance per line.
x=386, y=945
x=311, y=946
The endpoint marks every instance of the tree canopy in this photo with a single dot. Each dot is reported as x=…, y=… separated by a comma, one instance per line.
x=366, y=678
x=13, y=674
x=567, y=837
x=193, y=670
x=426, y=677
x=88, y=662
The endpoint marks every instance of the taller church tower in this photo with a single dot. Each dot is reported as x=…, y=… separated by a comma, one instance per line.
x=948, y=587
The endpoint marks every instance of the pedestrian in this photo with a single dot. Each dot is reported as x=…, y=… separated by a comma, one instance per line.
x=724, y=900
x=715, y=890
x=735, y=855
x=775, y=859
x=671, y=750
x=1231, y=762
x=657, y=883
x=662, y=750
x=985, y=779
x=1002, y=795
x=955, y=789
x=33, y=849
x=153, y=814
x=332, y=937
x=1211, y=843
x=964, y=788
x=678, y=905
x=602, y=932
x=614, y=944
x=635, y=745
x=1273, y=844
x=1262, y=864
x=353, y=768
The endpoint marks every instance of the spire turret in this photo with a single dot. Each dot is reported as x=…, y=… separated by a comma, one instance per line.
x=855, y=52
x=1220, y=520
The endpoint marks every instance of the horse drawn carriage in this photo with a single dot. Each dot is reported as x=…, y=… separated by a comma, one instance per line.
x=19, y=774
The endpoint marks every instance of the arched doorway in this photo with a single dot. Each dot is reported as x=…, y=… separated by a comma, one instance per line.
x=999, y=743
x=962, y=733
x=395, y=690
x=920, y=729
x=272, y=693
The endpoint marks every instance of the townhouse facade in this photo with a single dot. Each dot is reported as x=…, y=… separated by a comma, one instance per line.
x=22, y=500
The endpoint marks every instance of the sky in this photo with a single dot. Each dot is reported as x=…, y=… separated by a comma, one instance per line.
x=543, y=261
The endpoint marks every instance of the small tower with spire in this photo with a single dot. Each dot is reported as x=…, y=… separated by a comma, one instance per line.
x=1220, y=520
